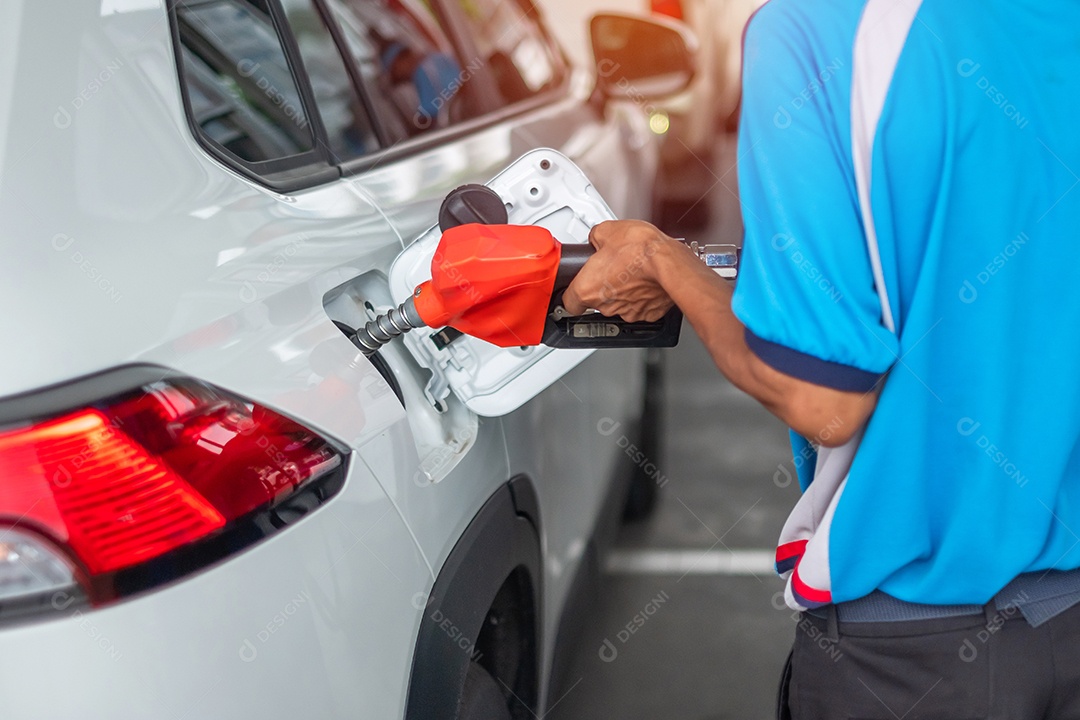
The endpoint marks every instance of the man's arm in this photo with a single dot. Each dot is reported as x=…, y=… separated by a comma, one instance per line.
x=638, y=272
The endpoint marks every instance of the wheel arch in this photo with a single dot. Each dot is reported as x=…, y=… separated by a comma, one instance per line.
x=494, y=571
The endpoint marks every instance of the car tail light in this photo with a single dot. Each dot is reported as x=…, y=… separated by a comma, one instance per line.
x=671, y=8
x=30, y=568
x=149, y=475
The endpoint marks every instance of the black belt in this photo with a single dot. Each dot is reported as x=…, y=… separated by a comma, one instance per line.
x=1039, y=596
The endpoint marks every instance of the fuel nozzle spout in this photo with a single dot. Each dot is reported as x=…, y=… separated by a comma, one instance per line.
x=395, y=323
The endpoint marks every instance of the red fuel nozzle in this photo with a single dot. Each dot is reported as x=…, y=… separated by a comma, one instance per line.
x=493, y=282
x=503, y=284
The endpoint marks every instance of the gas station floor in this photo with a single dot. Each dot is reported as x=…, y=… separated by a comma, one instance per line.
x=687, y=624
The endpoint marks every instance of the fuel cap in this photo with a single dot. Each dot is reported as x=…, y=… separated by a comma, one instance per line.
x=472, y=204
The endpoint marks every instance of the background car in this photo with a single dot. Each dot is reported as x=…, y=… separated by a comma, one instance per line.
x=692, y=119
x=210, y=503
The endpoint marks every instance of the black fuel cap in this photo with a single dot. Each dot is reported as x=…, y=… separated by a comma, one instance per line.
x=472, y=204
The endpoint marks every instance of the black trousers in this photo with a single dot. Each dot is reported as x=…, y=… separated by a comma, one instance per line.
x=975, y=667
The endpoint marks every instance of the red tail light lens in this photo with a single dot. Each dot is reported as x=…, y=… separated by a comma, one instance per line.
x=671, y=8
x=114, y=503
x=152, y=470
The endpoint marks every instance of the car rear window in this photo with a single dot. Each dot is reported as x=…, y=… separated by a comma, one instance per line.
x=348, y=126
x=416, y=81
x=240, y=90
x=290, y=92
x=511, y=40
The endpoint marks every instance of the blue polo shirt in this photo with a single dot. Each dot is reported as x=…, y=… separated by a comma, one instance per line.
x=969, y=471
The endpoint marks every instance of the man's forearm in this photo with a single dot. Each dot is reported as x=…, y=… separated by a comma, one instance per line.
x=637, y=272
x=825, y=415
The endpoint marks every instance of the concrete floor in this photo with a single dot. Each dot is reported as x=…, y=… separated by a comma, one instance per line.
x=696, y=634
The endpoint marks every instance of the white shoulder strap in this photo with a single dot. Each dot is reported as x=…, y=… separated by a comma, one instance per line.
x=882, y=33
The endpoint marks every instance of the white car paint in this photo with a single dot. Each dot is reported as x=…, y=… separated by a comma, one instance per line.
x=124, y=242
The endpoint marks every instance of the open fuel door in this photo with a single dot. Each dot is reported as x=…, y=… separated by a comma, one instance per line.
x=541, y=188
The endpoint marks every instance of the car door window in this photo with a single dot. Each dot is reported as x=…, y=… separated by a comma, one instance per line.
x=240, y=91
x=512, y=42
x=415, y=78
x=349, y=130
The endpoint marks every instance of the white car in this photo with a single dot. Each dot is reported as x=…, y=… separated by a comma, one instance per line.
x=211, y=504
x=694, y=119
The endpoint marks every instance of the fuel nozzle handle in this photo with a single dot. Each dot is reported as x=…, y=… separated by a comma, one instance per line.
x=573, y=258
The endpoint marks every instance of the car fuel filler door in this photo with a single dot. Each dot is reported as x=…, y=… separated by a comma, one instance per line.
x=540, y=210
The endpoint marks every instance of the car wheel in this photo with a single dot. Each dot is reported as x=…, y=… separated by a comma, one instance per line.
x=645, y=483
x=481, y=698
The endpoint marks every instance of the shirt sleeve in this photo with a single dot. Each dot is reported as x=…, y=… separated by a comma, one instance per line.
x=806, y=289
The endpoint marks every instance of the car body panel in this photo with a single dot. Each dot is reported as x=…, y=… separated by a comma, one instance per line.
x=132, y=226
x=124, y=242
x=576, y=460
x=313, y=622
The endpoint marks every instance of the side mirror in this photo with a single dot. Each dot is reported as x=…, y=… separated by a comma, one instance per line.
x=641, y=59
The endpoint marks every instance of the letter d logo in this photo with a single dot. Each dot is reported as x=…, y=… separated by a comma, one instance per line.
x=248, y=653
x=608, y=652
x=62, y=118
x=968, y=293
x=782, y=241
x=246, y=68
x=248, y=293
x=61, y=242
x=607, y=67
x=782, y=118
x=782, y=477
x=967, y=67
x=607, y=427
x=967, y=427
x=62, y=600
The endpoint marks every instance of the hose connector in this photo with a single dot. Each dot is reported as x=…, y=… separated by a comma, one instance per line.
x=395, y=323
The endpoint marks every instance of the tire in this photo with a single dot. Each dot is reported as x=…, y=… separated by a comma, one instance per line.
x=644, y=492
x=481, y=697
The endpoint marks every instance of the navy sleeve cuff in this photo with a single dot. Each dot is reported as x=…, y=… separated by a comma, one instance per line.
x=811, y=369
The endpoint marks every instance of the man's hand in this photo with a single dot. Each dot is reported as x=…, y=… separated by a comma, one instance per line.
x=638, y=272
x=621, y=279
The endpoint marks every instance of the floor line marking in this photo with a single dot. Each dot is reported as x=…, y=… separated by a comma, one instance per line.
x=690, y=562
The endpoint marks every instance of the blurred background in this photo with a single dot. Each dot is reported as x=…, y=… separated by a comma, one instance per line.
x=689, y=622
x=691, y=121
